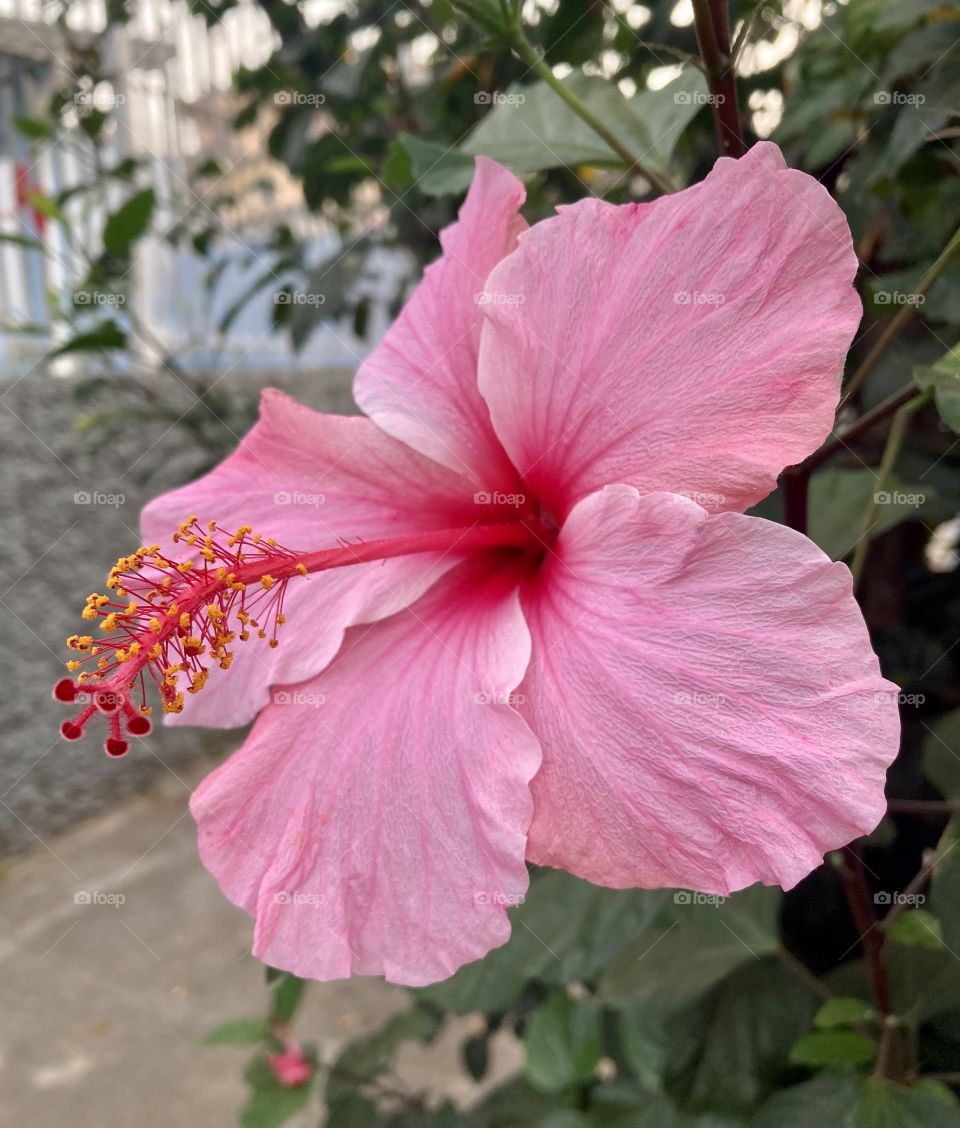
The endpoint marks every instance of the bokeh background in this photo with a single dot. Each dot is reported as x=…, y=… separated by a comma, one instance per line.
x=199, y=200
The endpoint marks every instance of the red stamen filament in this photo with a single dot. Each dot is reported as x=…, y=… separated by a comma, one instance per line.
x=165, y=615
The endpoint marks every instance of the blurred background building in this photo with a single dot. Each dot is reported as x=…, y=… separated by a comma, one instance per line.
x=171, y=107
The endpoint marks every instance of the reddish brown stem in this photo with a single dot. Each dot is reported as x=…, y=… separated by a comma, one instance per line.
x=857, y=890
x=712, y=25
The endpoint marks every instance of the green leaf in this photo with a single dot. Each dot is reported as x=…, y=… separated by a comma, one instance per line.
x=945, y=887
x=941, y=754
x=838, y=501
x=739, y=1038
x=838, y=1101
x=833, y=1048
x=287, y=995
x=397, y=170
x=129, y=222
x=690, y=948
x=238, y=1032
x=565, y=930
x=270, y=1104
x=843, y=1010
x=108, y=335
x=44, y=204
x=437, y=170
x=367, y=1057
x=34, y=128
x=531, y=128
x=562, y=1042
x=916, y=928
x=924, y=982
x=476, y=1056
x=944, y=378
x=27, y=241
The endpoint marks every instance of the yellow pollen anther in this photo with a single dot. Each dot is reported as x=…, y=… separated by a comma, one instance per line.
x=267, y=582
x=302, y=569
x=109, y=623
x=184, y=620
x=155, y=625
x=73, y=664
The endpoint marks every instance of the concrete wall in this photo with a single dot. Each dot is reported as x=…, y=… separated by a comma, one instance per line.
x=55, y=549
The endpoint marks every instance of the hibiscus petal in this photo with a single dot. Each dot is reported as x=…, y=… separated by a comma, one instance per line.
x=420, y=382
x=692, y=344
x=709, y=707
x=313, y=481
x=375, y=822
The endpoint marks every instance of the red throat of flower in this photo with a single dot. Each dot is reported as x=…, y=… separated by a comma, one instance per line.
x=167, y=621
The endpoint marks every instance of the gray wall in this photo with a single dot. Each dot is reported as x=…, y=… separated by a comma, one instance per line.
x=54, y=550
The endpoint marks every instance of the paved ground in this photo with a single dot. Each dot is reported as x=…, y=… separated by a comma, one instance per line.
x=104, y=1005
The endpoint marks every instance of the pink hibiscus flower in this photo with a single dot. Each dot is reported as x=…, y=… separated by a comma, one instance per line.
x=558, y=639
